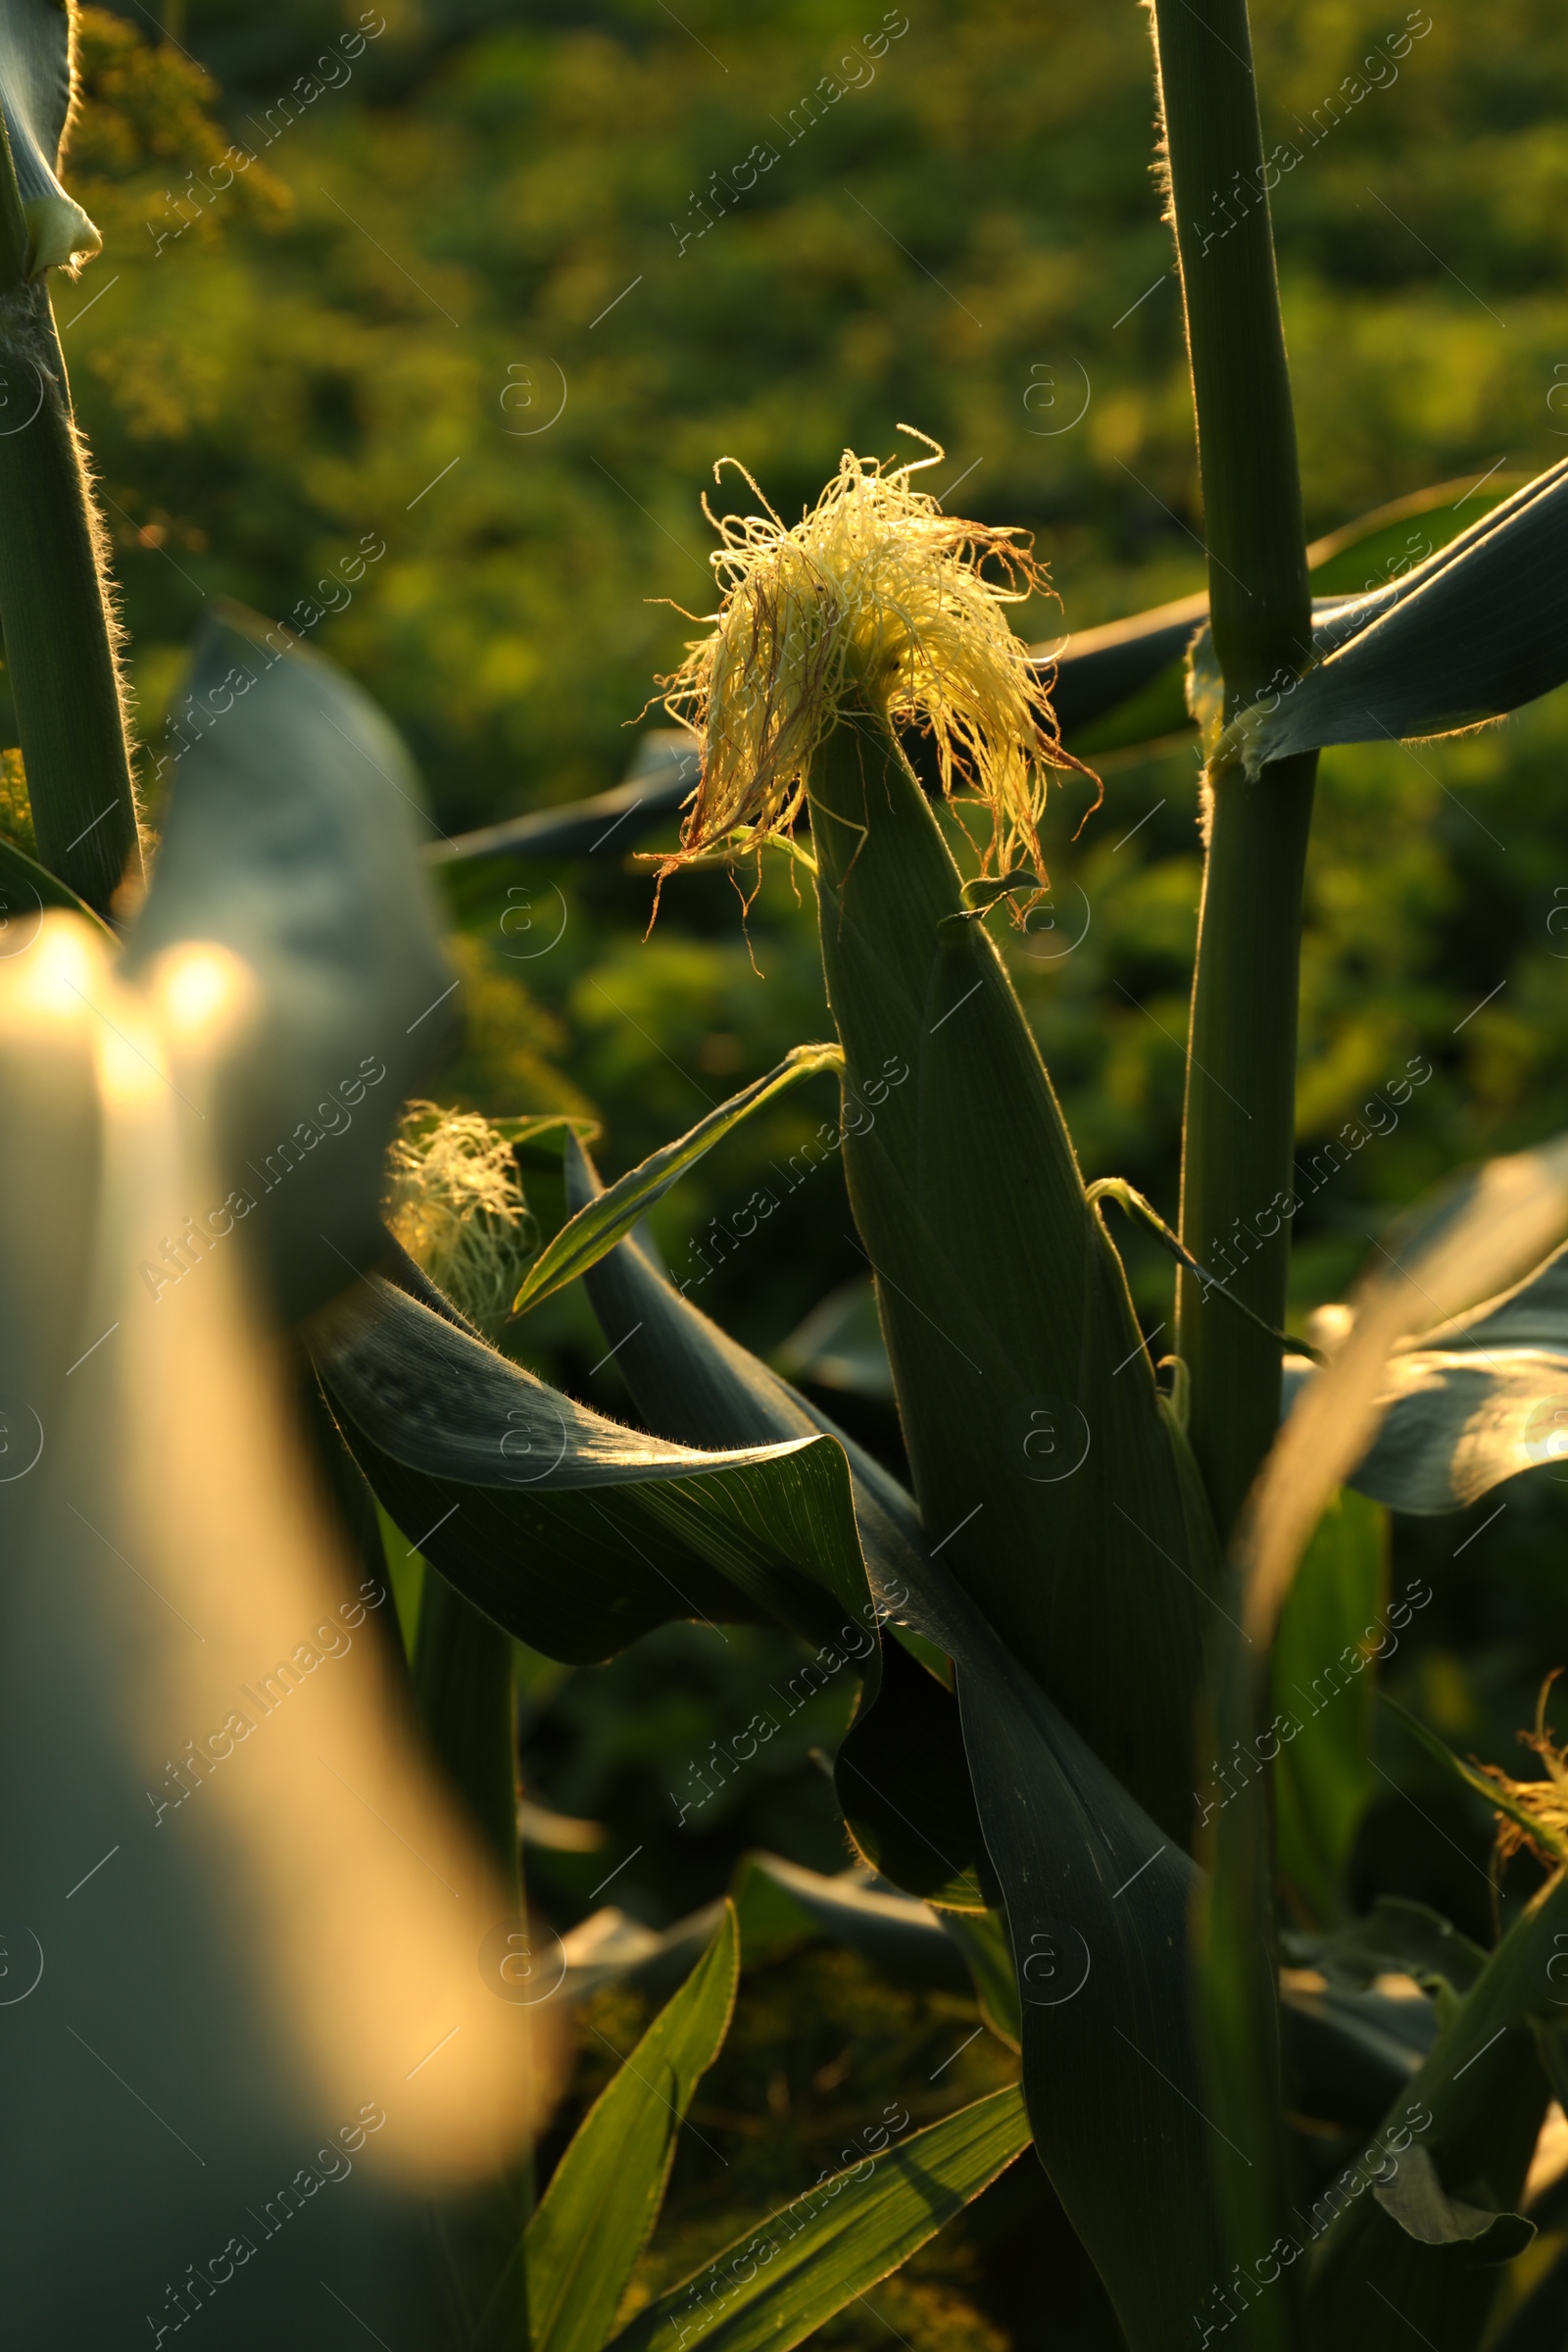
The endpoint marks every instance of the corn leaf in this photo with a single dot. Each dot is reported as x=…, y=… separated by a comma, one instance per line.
x=660, y=777
x=1479, y=1234
x=1110, y=2065
x=988, y=1953
x=1396, y=1937
x=695, y=1384
x=578, y=1534
x=573, y=1533
x=1474, y=2108
x=1349, y=2055
x=1475, y=1400
x=612, y=1213
x=1123, y=684
x=777, y=2282
x=1478, y=630
x=292, y=839
x=906, y=1938
x=582, y=2245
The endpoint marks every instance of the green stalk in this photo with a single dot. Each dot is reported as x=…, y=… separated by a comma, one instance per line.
x=1240, y=1075
x=54, y=605
x=1239, y=1129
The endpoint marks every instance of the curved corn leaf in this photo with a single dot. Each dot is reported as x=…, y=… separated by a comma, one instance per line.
x=291, y=837
x=664, y=770
x=1123, y=685
x=777, y=2282
x=1474, y=2109
x=35, y=38
x=1043, y=1466
x=1475, y=1401
x=907, y=1939
x=581, y=2246
x=1479, y=1234
x=695, y=1384
x=1109, y=2067
x=1349, y=2055
x=1098, y=675
x=612, y=1213
x=1478, y=630
x=1397, y=1937
x=573, y=1533
x=781, y=1906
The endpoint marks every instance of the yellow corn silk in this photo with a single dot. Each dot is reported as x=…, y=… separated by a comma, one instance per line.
x=454, y=1202
x=875, y=599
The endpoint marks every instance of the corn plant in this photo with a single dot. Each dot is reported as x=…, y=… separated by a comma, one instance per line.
x=1076, y=1638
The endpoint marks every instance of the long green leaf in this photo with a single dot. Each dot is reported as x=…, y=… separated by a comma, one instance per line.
x=1477, y=630
x=582, y=2245
x=1110, y=2071
x=1481, y=1232
x=612, y=1213
x=775, y=2283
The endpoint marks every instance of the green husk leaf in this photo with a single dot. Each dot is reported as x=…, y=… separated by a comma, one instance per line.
x=1041, y=1461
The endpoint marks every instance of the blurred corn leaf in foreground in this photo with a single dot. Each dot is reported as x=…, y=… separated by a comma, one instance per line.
x=243, y=1930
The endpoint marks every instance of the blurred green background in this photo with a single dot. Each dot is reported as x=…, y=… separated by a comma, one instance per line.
x=496, y=292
